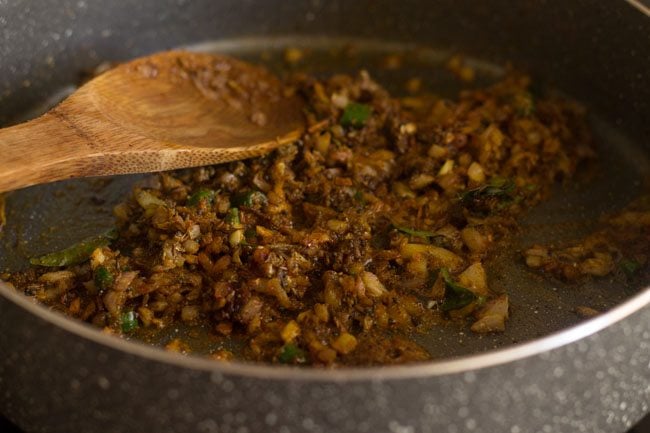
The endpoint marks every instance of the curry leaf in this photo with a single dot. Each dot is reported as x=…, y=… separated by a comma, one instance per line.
x=418, y=233
x=497, y=187
x=630, y=267
x=456, y=296
x=232, y=217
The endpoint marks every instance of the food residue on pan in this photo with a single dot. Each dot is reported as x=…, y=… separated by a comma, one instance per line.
x=337, y=249
x=620, y=244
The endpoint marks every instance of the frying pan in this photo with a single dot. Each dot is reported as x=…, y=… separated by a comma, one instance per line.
x=548, y=372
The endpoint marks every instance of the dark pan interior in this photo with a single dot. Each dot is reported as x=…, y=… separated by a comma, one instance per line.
x=46, y=218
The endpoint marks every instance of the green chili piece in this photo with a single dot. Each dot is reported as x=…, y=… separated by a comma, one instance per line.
x=290, y=353
x=128, y=321
x=355, y=115
x=232, y=217
x=103, y=278
x=248, y=198
x=456, y=296
x=75, y=254
x=200, y=195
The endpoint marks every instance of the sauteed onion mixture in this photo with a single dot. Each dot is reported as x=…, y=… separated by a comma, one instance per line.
x=339, y=248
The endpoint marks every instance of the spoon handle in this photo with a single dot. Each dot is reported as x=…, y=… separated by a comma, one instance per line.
x=64, y=144
x=42, y=150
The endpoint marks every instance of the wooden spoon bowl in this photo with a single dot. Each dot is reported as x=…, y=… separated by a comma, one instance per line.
x=166, y=111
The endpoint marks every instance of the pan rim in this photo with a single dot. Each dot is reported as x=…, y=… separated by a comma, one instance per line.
x=639, y=6
x=443, y=367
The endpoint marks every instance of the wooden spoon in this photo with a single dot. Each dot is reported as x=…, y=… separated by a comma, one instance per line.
x=170, y=110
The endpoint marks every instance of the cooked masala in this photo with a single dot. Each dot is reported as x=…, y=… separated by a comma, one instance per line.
x=339, y=248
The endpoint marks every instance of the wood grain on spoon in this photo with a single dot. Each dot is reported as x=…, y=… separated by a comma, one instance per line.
x=166, y=111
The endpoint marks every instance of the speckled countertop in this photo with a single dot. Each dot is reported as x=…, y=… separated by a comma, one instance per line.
x=642, y=427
